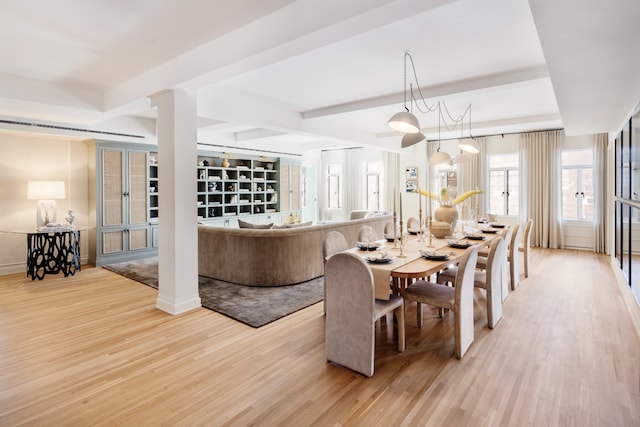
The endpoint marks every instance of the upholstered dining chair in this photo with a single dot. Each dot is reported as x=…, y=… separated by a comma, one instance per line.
x=490, y=279
x=388, y=229
x=333, y=243
x=413, y=225
x=352, y=312
x=526, y=245
x=367, y=234
x=458, y=299
x=483, y=255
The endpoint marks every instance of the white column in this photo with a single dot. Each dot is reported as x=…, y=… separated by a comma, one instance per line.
x=178, y=232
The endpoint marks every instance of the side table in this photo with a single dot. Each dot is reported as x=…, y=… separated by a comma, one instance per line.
x=53, y=252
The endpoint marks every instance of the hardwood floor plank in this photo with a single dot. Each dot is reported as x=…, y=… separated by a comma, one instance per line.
x=93, y=349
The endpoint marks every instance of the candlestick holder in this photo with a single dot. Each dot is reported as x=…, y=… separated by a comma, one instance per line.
x=402, y=239
x=430, y=245
x=395, y=231
x=420, y=234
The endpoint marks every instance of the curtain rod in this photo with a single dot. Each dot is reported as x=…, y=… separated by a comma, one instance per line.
x=495, y=134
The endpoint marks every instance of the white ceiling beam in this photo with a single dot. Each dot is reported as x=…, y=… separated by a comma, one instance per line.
x=435, y=91
x=297, y=28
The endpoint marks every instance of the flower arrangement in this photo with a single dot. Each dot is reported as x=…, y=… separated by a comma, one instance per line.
x=443, y=198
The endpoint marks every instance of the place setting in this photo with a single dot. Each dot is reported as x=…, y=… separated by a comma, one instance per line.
x=435, y=255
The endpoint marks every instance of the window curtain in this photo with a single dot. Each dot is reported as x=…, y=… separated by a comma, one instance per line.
x=391, y=180
x=472, y=170
x=600, y=192
x=541, y=155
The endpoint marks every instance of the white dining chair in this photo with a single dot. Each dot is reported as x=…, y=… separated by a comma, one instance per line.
x=458, y=299
x=352, y=312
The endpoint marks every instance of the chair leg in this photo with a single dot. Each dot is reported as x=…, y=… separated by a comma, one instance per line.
x=401, y=331
x=526, y=262
x=419, y=314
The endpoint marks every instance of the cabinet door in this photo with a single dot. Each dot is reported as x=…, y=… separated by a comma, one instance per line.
x=285, y=204
x=112, y=242
x=112, y=187
x=138, y=238
x=137, y=191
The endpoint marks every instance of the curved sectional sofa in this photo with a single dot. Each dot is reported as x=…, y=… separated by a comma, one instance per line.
x=272, y=257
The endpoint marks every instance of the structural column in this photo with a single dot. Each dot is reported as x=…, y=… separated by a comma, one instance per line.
x=177, y=225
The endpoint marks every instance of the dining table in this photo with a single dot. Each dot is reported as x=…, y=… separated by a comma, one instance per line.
x=395, y=266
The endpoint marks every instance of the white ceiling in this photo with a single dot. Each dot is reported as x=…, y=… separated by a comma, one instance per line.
x=292, y=75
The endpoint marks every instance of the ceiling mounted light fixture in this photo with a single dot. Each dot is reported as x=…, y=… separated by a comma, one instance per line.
x=439, y=157
x=469, y=145
x=410, y=139
x=407, y=123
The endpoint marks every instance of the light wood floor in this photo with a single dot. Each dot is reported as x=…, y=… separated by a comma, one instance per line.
x=94, y=350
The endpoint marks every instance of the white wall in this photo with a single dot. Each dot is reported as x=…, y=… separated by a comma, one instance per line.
x=28, y=157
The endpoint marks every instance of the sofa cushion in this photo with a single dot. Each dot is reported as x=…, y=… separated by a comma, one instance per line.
x=246, y=224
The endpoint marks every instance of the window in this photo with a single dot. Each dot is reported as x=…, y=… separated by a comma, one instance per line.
x=373, y=186
x=504, y=184
x=334, y=178
x=577, y=184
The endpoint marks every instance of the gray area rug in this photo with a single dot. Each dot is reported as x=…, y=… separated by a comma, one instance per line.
x=253, y=305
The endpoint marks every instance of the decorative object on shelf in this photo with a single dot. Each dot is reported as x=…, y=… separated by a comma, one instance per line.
x=234, y=199
x=231, y=187
x=46, y=192
x=205, y=163
x=203, y=174
x=225, y=163
x=269, y=166
x=257, y=209
x=213, y=187
x=212, y=212
x=273, y=198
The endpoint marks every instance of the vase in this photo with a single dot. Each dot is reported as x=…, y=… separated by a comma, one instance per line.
x=225, y=163
x=447, y=213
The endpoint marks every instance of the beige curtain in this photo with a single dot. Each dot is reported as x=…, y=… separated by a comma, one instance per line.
x=392, y=181
x=600, y=192
x=472, y=170
x=542, y=186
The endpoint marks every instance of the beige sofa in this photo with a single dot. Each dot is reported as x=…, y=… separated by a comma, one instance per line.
x=272, y=257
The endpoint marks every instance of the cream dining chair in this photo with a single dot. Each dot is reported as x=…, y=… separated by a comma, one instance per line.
x=458, y=299
x=333, y=243
x=352, y=312
x=525, y=246
x=413, y=225
x=490, y=279
x=367, y=234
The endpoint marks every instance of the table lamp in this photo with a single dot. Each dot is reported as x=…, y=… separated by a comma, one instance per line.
x=46, y=192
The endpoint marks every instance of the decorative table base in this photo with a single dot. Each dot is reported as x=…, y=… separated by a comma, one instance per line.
x=51, y=253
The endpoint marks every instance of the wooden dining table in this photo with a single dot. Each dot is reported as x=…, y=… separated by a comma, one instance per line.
x=408, y=264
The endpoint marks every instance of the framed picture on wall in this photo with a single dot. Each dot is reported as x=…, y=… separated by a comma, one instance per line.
x=412, y=173
x=412, y=185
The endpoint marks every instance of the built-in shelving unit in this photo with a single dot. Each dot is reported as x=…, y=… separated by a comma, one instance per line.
x=230, y=187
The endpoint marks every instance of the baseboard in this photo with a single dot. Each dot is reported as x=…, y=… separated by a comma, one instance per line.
x=631, y=304
x=21, y=267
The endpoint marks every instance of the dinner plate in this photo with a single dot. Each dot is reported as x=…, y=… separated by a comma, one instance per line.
x=389, y=237
x=460, y=245
x=378, y=260
x=435, y=255
x=490, y=230
x=413, y=230
x=372, y=246
x=496, y=225
x=474, y=237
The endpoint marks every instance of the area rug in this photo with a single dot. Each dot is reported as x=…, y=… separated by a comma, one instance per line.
x=253, y=305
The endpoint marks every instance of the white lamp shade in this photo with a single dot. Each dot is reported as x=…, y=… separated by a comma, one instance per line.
x=470, y=146
x=410, y=139
x=405, y=122
x=45, y=190
x=439, y=157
